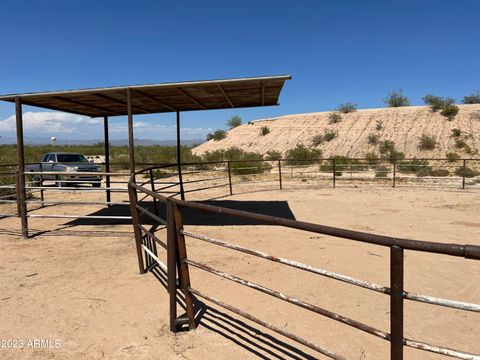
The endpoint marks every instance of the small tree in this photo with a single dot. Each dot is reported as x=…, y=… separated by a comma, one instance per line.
x=301, y=155
x=273, y=155
x=396, y=99
x=452, y=156
x=371, y=158
x=234, y=121
x=347, y=107
x=217, y=135
x=334, y=117
x=373, y=139
x=317, y=140
x=427, y=142
x=460, y=143
x=456, y=133
x=329, y=135
x=437, y=103
x=264, y=130
x=450, y=111
x=472, y=99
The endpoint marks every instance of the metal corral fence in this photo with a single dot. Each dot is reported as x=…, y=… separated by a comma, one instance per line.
x=178, y=277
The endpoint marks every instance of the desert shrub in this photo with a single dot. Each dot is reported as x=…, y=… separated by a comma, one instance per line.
x=439, y=172
x=412, y=166
x=301, y=155
x=467, y=172
x=329, y=135
x=456, y=132
x=264, y=130
x=371, y=158
x=460, y=143
x=234, y=121
x=450, y=111
x=243, y=162
x=468, y=149
x=452, y=156
x=273, y=155
x=396, y=99
x=342, y=163
x=373, y=139
x=379, y=125
x=381, y=171
x=7, y=180
x=217, y=135
x=317, y=140
x=437, y=103
x=347, y=107
x=388, y=151
x=334, y=117
x=426, y=142
x=472, y=99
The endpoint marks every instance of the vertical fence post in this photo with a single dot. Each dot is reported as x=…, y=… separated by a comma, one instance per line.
x=394, y=172
x=42, y=198
x=152, y=186
x=334, y=167
x=184, y=272
x=171, y=265
x=463, y=173
x=132, y=194
x=280, y=173
x=396, y=303
x=17, y=186
x=229, y=177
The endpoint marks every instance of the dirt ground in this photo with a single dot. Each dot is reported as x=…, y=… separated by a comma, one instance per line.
x=78, y=283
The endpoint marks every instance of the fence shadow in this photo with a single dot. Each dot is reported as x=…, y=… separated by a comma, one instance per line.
x=248, y=337
x=195, y=217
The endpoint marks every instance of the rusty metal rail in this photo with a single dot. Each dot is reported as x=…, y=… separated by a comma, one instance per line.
x=179, y=264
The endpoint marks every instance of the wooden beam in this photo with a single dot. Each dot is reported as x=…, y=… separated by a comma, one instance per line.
x=192, y=98
x=96, y=107
x=131, y=144
x=56, y=108
x=179, y=160
x=106, y=143
x=263, y=93
x=109, y=98
x=166, y=106
x=225, y=95
x=21, y=192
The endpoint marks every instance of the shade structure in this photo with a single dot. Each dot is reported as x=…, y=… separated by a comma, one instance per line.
x=160, y=98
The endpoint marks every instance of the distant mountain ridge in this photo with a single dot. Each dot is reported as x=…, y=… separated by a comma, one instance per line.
x=121, y=142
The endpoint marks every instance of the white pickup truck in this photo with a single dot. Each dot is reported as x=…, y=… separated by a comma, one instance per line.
x=64, y=163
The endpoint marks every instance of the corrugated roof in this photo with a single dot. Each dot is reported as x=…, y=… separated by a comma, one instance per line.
x=163, y=97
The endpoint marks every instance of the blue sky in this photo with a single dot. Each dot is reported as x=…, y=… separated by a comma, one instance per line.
x=336, y=51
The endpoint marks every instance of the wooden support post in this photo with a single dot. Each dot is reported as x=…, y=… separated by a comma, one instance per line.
x=394, y=173
x=280, y=174
x=230, y=177
x=21, y=191
x=42, y=197
x=396, y=303
x=464, y=168
x=184, y=272
x=152, y=186
x=106, y=143
x=131, y=143
x=172, y=266
x=179, y=160
x=132, y=193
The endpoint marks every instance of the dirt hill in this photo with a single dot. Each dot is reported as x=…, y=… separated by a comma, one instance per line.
x=403, y=125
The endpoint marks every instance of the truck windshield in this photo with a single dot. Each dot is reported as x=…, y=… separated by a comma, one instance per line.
x=71, y=158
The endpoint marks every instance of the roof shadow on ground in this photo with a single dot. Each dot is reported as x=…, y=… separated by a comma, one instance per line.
x=193, y=216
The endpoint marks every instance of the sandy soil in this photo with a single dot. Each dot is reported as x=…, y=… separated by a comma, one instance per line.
x=403, y=125
x=80, y=283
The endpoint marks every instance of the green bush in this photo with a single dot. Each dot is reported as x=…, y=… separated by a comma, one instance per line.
x=317, y=140
x=437, y=103
x=381, y=171
x=329, y=135
x=456, y=132
x=472, y=99
x=334, y=117
x=424, y=171
x=371, y=158
x=412, y=166
x=427, y=142
x=450, y=111
x=7, y=180
x=243, y=162
x=452, y=156
x=347, y=107
x=373, y=139
x=467, y=172
x=273, y=155
x=301, y=155
x=440, y=172
x=388, y=151
x=264, y=130
x=379, y=125
x=234, y=121
x=342, y=163
x=217, y=135
x=396, y=99
x=460, y=143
